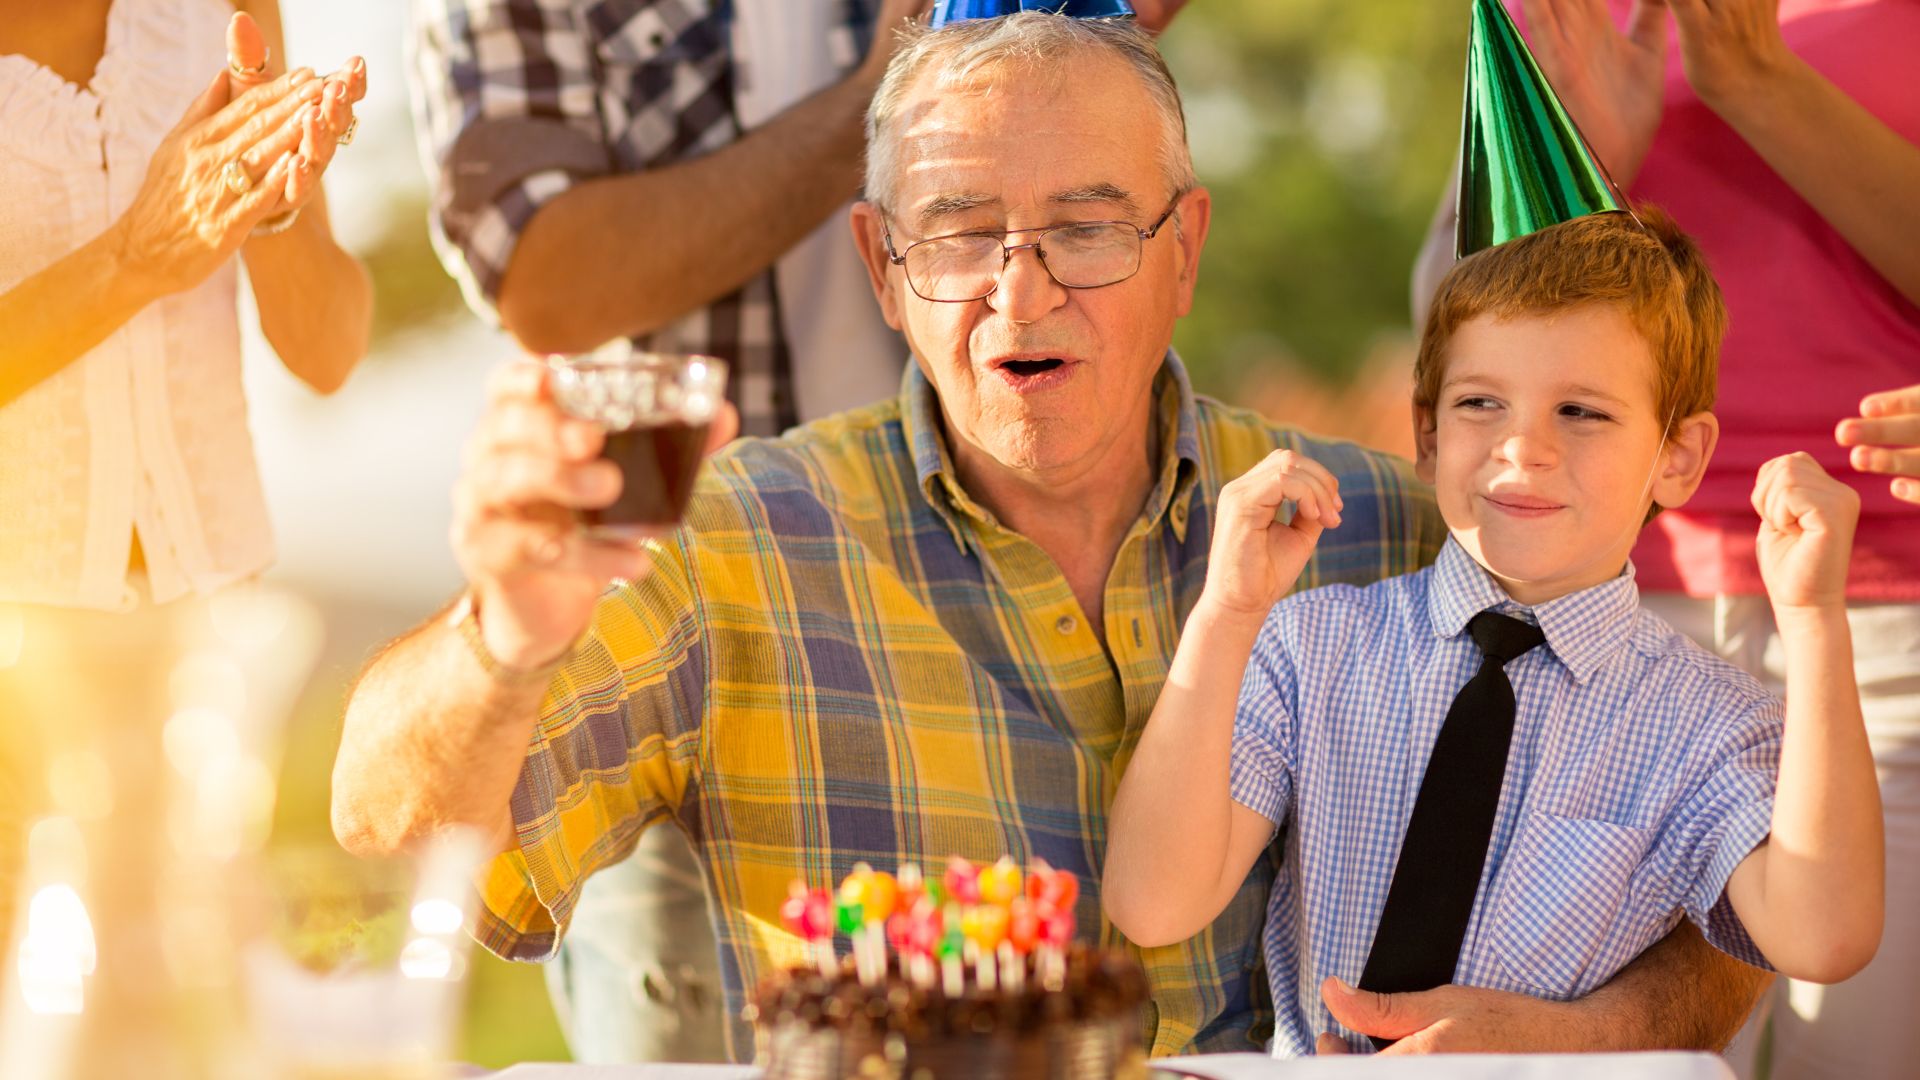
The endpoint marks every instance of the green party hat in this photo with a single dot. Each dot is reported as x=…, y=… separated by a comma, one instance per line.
x=1523, y=163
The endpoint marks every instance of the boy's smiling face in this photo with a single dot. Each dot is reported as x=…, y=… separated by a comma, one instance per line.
x=1544, y=447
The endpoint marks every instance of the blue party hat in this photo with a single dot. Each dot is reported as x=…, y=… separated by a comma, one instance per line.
x=953, y=11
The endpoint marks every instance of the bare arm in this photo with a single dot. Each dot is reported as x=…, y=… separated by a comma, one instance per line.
x=1179, y=846
x=315, y=300
x=431, y=740
x=432, y=737
x=61, y=313
x=1681, y=994
x=1812, y=896
x=694, y=231
x=1858, y=173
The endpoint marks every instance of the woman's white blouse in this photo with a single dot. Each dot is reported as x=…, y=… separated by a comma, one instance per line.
x=147, y=432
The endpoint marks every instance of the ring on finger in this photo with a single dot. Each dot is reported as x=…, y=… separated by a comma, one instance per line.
x=253, y=72
x=236, y=177
x=346, y=137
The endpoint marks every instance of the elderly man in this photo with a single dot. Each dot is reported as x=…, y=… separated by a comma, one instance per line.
x=932, y=626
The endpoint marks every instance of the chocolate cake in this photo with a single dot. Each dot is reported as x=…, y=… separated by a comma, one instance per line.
x=1078, y=1018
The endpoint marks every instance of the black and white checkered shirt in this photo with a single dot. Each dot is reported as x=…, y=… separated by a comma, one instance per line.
x=518, y=100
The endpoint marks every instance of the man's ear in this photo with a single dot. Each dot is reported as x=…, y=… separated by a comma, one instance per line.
x=1189, y=225
x=1687, y=453
x=870, y=236
x=1425, y=443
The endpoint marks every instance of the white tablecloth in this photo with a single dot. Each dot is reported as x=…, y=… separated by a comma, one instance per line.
x=1257, y=1067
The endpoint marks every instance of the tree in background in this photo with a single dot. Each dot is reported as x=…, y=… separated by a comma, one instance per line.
x=1326, y=130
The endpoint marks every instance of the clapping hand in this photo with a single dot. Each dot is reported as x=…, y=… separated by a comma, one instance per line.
x=212, y=180
x=1612, y=82
x=1885, y=438
x=1256, y=558
x=1730, y=48
x=317, y=134
x=1807, y=520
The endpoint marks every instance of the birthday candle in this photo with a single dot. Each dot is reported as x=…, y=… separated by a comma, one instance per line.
x=928, y=928
x=900, y=931
x=952, y=975
x=997, y=919
x=1023, y=925
x=1012, y=970
x=1056, y=933
x=912, y=886
x=850, y=917
x=877, y=893
x=809, y=914
x=985, y=926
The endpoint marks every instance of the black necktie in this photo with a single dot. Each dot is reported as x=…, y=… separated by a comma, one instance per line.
x=1418, y=941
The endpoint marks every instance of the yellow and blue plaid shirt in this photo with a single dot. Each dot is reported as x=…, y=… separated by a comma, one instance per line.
x=841, y=657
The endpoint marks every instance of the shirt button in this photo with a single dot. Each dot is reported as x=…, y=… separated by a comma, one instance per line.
x=1066, y=624
x=1179, y=513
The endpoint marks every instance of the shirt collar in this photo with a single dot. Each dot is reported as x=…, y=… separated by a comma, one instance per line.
x=940, y=484
x=1584, y=629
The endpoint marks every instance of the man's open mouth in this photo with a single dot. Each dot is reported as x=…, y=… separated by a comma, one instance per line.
x=1029, y=368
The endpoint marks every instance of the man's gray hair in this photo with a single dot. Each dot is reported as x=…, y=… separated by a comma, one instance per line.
x=1030, y=42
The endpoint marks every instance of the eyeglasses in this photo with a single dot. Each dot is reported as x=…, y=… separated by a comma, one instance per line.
x=964, y=267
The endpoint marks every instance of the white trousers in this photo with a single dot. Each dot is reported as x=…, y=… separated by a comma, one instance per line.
x=1868, y=1027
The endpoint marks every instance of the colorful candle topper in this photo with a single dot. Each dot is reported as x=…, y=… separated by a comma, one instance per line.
x=962, y=881
x=1000, y=883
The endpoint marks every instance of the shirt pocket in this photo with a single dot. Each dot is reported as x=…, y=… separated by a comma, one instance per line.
x=1562, y=902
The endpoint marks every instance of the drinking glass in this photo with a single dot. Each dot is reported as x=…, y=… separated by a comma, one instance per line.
x=656, y=409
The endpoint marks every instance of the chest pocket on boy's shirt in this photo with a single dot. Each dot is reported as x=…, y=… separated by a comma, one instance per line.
x=1564, y=898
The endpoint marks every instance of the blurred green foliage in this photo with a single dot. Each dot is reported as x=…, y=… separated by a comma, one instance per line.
x=410, y=287
x=1326, y=131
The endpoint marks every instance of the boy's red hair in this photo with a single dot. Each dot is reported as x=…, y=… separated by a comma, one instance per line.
x=1655, y=275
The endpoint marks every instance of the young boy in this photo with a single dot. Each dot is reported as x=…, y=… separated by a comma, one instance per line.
x=1595, y=776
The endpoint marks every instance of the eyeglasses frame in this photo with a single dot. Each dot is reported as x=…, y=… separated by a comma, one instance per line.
x=899, y=258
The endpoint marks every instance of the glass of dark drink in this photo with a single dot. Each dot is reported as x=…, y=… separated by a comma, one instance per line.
x=655, y=408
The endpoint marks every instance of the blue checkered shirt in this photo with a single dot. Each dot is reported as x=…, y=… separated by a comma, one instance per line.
x=1641, y=773
x=516, y=101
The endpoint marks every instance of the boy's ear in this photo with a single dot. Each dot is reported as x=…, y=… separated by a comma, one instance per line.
x=1687, y=452
x=1425, y=443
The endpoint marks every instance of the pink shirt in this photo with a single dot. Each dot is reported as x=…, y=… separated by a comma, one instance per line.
x=1813, y=327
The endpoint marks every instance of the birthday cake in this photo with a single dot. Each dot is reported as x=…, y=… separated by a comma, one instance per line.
x=971, y=976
